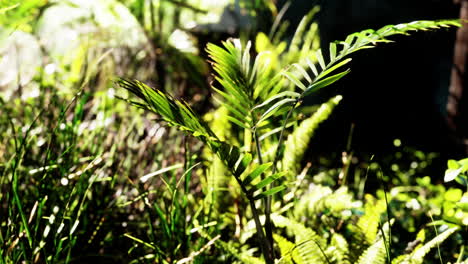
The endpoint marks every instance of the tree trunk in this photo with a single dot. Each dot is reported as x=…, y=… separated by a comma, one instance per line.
x=456, y=105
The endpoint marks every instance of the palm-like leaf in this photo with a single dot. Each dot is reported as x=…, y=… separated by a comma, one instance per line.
x=177, y=113
x=324, y=74
x=245, y=84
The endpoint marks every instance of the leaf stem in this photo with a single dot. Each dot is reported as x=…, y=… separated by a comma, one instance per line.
x=281, y=136
x=265, y=246
x=268, y=225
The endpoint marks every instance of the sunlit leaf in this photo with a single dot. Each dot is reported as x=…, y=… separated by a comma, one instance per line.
x=294, y=79
x=325, y=82
x=320, y=59
x=256, y=172
x=270, y=192
x=303, y=72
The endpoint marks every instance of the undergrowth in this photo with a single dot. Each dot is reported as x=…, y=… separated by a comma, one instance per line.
x=85, y=178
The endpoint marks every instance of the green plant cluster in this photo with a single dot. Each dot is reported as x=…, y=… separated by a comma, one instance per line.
x=85, y=178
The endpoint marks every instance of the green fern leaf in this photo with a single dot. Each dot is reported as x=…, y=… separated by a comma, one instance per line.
x=298, y=141
x=369, y=222
x=256, y=172
x=339, y=249
x=309, y=246
x=378, y=253
x=286, y=248
x=267, y=181
x=175, y=112
x=296, y=81
x=375, y=254
x=417, y=256
x=269, y=192
x=366, y=231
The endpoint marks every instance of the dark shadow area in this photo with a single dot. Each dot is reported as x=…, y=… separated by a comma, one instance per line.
x=398, y=90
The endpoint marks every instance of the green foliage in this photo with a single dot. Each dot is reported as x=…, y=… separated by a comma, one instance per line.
x=178, y=113
x=374, y=254
x=20, y=14
x=322, y=76
x=84, y=178
x=457, y=170
x=339, y=249
x=308, y=246
x=249, y=88
x=417, y=256
x=297, y=142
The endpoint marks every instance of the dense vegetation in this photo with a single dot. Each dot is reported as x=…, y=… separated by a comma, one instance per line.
x=210, y=165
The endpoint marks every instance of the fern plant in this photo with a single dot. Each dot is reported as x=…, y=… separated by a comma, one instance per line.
x=260, y=102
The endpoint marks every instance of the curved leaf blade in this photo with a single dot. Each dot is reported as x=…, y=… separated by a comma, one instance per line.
x=256, y=172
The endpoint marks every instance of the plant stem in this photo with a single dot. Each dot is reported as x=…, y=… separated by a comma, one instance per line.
x=266, y=200
x=267, y=249
x=268, y=225
x=281, y=136
x=265, y=245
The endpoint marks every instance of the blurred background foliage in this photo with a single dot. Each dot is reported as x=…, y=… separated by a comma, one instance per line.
x=84, y=178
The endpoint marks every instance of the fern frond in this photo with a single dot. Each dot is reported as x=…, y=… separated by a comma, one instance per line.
x=339, y=249
x=375, y=254
x=298, y=142
x=322, y=208
x=309, y=246
x=354, y=42
x=228, y=247
x=177, y=113
x=305, y=40
x=366, y=230
x=369, y=222
x=417, y=256
x=286, y=247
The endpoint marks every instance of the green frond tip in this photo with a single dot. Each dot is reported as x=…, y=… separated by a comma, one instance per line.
x=176, y=112
x=298, y=141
